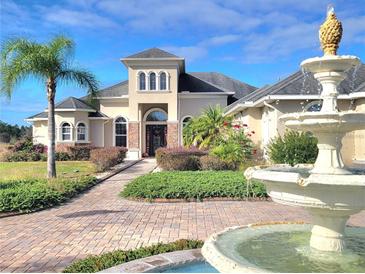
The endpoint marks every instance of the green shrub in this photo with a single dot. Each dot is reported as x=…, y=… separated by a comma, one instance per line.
x=32, y=194
x=191, y=185
x=24, y=156
x=80, y=153
x=293, y=148
x=104, y=158
x=25, y=145
x=179, y=158
x=211, y=162
x=97, y=263
x=62, y=156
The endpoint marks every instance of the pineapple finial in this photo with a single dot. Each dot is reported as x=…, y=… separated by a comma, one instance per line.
x=330, y=33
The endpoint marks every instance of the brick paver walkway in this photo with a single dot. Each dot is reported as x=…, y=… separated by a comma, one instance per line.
x=100, y=221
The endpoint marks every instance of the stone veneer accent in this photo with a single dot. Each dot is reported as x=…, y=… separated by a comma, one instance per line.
x=172, y=134
x=133, y=135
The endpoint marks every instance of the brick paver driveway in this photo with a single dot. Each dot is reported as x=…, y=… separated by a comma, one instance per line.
x=100, y=221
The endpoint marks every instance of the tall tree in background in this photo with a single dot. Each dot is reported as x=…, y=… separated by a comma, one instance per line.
x=52, y=64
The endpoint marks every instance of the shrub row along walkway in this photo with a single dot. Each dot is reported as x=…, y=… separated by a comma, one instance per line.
x=100, y=221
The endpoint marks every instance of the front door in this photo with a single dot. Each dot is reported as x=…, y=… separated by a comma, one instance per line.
x=155, y=138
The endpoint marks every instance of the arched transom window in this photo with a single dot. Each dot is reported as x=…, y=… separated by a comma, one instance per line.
x=156, y=116
x=163, y=82
x=142, y=81
x=121, y=132
x=314, y=106
x=66, y=132
x=152, y=81
x=81, y=132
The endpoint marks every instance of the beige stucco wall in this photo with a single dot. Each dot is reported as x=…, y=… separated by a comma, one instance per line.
x=359, y=135
x=114, y=107
x=195, y=106
x=252, y=117
x=96, y=136
x=168, y=97
x=40, y=132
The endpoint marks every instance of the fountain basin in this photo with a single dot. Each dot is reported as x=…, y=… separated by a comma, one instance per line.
x=330, y=198
x=331, y=122
x=330, y=63
x=250, y=249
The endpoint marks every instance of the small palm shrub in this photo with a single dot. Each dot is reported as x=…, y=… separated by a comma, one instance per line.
x=179, y=158
x=104, y=158
x=293, y=148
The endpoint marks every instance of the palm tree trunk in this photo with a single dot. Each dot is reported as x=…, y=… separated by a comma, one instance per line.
x=51, y=154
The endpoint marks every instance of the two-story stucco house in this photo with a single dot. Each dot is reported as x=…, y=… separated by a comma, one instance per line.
x=146, y=111
x=150, y=109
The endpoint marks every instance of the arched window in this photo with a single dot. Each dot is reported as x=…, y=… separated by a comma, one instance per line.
x=156, y=115
x=66, y=132
x=185, y=121
x=142, y=81
x=81, y=132
x=163, y=83
x=121, y=132
x=314, y=106
x=153, y=81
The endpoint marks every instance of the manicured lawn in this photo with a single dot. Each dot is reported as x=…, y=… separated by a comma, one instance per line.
x=192, y=185
x=25, y=170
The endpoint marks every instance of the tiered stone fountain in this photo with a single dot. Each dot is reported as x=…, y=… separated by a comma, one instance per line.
x=330, y=191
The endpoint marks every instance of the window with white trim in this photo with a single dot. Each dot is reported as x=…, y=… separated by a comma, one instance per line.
x=81, y=132
x=142, y=81
x=152, y=81
x=121, y=132
x=163, y=81
x=66, y=132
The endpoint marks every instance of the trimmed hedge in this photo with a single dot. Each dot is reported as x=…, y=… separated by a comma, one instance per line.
x=179, y=158
x=97, y=263
x=32, y=194
x=192, y=185
x=104, y=158
x=211, y=162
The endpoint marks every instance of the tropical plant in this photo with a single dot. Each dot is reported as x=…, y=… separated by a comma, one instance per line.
x=50, y=63
x=203, y=131
x=293, y=148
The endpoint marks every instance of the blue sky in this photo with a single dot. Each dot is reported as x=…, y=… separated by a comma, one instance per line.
x=255, y=41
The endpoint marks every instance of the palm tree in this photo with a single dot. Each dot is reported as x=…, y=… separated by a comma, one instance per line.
x=204, y=130
x=50, y=63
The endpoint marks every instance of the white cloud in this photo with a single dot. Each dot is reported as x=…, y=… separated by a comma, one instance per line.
x=76, y=18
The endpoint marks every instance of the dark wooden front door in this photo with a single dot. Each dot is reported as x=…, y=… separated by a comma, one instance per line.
x=155, y=138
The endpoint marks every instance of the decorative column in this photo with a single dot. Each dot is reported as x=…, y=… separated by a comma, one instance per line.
x=134, y=149
x=173, y=134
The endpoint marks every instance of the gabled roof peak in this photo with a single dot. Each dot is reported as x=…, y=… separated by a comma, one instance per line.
x=152, y=53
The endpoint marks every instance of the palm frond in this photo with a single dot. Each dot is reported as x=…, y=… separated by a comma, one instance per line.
x=81, y=77
x=20, y=59
x=62, y=48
